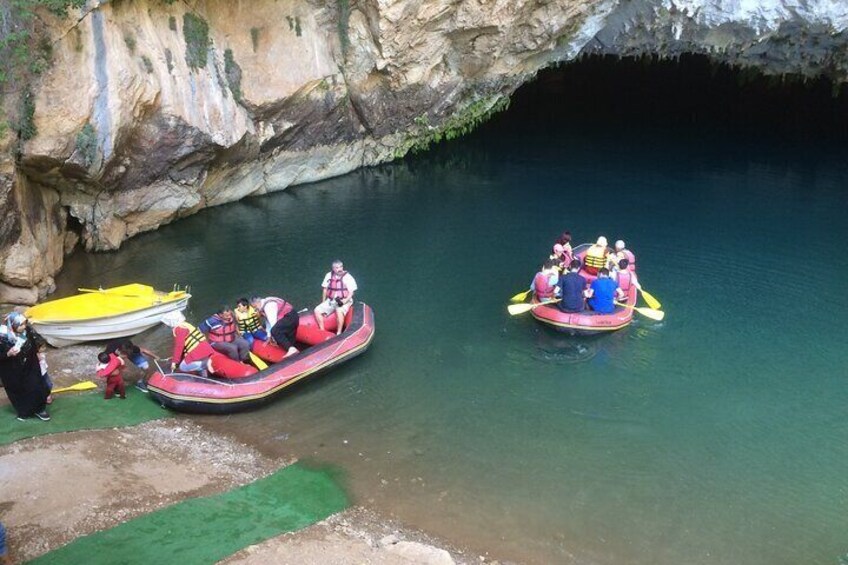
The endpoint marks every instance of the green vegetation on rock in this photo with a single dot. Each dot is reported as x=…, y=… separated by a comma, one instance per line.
x=233, y=74
x=196, y=33
x=148, y=64
x=87, y=144
x=172, y=23
x=422, y=134
x=254, y=38
x=25, y=51
x=344, y=23
x=26, y=120
x=129, y=40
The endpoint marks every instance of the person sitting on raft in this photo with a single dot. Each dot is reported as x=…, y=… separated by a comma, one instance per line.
x=191, y=349
x=544, y=283
x=249, y=322
x=603, y=292
x=624, y=276
x=281, y=320
x=596, y=256
x=221, y=331
x=337, y=296
x=562, y=249
x=621, y=252
x=573, y=288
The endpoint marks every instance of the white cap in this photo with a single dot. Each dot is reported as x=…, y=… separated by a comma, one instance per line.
x=602, y=241
x=619, y=245
x=173, y=319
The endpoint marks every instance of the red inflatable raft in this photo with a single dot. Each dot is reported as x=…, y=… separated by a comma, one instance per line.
x=586, y=322
x=323, y=350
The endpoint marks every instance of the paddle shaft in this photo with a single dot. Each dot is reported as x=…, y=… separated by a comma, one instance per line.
x=647, y=312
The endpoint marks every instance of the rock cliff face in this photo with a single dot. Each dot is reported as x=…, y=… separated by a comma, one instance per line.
x=152, y=109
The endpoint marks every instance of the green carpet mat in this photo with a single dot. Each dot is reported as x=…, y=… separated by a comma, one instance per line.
x=205, y=530
x=82, y=411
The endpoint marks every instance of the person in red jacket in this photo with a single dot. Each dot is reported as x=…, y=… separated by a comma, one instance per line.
x=110, y=368
x=191, y=348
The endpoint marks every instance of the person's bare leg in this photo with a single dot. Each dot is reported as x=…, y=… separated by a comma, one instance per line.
x=318, y=318
x=340, y=318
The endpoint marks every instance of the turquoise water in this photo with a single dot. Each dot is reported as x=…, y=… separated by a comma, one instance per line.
x=715, y=437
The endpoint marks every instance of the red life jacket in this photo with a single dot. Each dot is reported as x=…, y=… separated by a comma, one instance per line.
x=624, y=280
x=283, y=307
x=543, y=288
x=225, y=333
x=336, y=287
x=631, y=259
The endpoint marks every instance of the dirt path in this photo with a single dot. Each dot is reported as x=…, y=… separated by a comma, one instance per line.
x=59, y=487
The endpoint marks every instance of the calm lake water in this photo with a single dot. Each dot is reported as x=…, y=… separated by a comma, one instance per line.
x=718, y=436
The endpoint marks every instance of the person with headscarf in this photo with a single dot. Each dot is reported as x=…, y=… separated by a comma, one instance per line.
x=20, y=370
x=191, y=348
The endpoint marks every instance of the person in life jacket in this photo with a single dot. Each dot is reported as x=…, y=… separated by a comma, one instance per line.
x=544, y=284
x=562, y=250
x=621, y=252
x=191, y=349
x=281, y=320
x=337, y=296
x=624, y=276
x=222, y=332
x=249, y=322
x=596, y=257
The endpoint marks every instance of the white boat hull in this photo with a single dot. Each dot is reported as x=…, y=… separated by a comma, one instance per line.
x=61, y=334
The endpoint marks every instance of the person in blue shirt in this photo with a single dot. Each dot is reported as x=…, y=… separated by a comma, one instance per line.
x=603, y=292
x=572, y=285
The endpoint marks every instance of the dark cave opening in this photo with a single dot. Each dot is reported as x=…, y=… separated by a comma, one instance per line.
x=687, y=94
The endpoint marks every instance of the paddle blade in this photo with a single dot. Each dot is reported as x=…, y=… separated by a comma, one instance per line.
x=84, y=385
x=657, y=315
x=260, y=364
x=652, y=302
x=520, y=297
x=515, y=309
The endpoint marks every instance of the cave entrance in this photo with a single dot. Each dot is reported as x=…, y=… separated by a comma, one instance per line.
x=684, y=94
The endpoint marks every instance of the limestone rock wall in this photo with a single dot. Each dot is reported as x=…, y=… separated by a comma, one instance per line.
x=152, y=110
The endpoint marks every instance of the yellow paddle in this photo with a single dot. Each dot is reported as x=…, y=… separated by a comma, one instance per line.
x=260, y=364
x=84, y=385
x=657, y=315
x=515, y=309
x=521, y=296
x=652, y=302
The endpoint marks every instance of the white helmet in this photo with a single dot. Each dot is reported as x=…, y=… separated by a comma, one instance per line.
x=602, y=241
x=173, y=319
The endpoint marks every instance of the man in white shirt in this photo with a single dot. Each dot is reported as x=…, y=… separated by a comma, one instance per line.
x=337, y=296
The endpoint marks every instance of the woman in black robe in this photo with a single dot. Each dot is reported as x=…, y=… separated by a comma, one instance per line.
x=20, y=370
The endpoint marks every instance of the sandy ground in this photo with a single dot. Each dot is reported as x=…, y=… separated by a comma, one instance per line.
x=56, y=488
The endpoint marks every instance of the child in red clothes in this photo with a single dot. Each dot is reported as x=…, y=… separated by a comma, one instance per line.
x=110, y=368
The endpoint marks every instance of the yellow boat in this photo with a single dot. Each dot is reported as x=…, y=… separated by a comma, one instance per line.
x=103, y=313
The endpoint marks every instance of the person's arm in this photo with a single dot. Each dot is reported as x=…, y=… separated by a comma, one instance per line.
x=204, y=327
x=351, y=289
x=179, y=343
x=271, y=313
